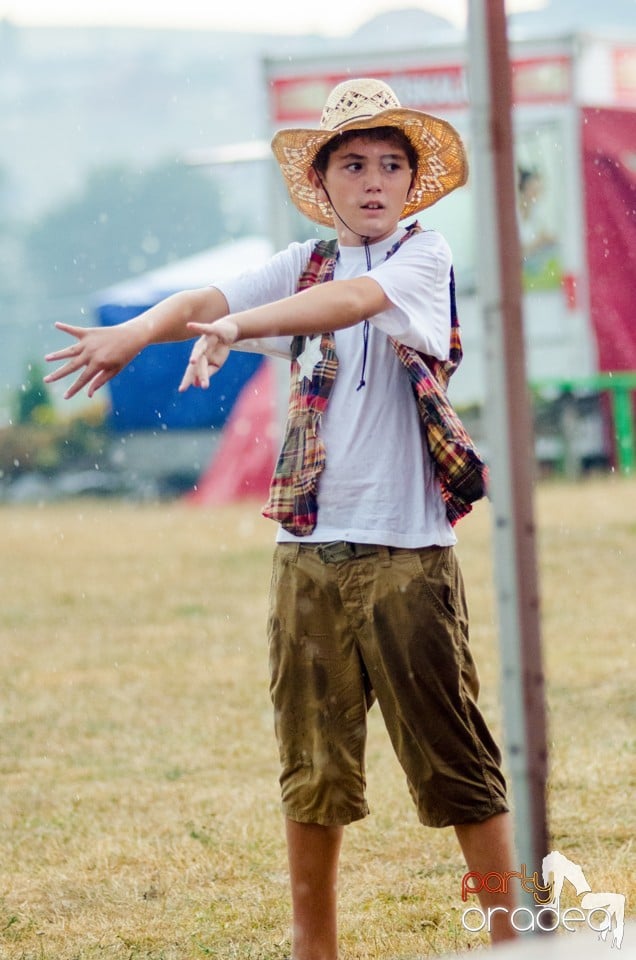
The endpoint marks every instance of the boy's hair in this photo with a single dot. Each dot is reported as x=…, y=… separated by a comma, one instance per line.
x=391, y=134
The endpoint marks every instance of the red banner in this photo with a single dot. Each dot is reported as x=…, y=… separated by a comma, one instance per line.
x=609, y=169
x=440, y=88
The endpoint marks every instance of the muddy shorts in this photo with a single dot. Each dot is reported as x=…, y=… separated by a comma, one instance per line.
x=352, y=623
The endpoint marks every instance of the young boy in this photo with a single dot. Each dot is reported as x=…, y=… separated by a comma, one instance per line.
x=367, y=599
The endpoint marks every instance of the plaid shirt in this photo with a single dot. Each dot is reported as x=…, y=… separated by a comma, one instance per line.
x=462, y=474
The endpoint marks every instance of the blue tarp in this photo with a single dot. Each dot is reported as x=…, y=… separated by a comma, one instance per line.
x=145, y=395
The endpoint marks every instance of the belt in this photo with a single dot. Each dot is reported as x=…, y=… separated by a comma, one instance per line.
x=339, y=550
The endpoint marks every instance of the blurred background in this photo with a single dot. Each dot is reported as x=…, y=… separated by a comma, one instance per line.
x=134, y=161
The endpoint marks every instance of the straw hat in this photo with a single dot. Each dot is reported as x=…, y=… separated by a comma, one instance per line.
x=359, y=105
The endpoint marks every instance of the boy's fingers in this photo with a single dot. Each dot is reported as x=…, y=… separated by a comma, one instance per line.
x=81, y=382
x=202, y=373
x=65, y=352
x=205, y=345
x=98, y=381
x=221, y=331
x=196, y=373
x=202, y=328
x=197, y=350
x=64, y=371
x=69, y=328
x=206, y=357
x=189, y=378
x=88, y=375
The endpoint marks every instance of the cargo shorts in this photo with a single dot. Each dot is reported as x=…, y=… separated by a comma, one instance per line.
x=353, y=623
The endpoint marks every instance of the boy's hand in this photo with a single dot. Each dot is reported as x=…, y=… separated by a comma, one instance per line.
x=209, y=352
x=101, y=351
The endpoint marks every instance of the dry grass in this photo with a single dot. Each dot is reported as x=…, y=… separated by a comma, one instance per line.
x=139, y=805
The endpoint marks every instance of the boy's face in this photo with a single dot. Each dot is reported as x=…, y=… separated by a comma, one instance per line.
x=368, y=183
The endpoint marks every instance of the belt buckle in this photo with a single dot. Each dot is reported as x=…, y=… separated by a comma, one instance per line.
x=335, y=552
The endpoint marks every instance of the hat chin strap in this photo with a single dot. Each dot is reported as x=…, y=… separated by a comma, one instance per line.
x=365, y=239
x=365, y=242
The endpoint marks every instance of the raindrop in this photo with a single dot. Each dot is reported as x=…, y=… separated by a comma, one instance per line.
x=150, y=244
x=137, y=264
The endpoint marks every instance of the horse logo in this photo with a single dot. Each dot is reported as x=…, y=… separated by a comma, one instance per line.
x=556, y=869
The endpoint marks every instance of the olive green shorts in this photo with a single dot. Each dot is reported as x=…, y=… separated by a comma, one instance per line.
x=350, y=624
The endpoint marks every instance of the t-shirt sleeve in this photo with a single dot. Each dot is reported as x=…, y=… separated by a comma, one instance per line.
x=273, y=280
x=416, y=279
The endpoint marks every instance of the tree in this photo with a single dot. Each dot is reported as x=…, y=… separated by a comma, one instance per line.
x=125, y=222
x=33, y=396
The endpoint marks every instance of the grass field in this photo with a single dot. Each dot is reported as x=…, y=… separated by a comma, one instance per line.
x=139, y=805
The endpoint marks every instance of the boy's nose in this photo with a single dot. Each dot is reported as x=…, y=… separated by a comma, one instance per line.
x=374, y=177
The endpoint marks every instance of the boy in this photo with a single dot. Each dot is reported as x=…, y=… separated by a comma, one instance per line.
x=367, y=600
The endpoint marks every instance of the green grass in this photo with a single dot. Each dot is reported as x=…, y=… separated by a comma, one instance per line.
x=139, y=810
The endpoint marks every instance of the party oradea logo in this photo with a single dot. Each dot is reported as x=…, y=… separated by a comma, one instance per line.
x=604, y=913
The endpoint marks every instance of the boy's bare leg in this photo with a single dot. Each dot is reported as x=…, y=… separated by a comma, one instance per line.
x=313, y=852
x=487, y=847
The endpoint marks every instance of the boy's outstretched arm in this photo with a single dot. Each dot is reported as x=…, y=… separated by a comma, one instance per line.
x=101, y=352
x=327, y=306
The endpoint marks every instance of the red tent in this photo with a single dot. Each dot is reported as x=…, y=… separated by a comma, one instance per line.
x=244, y=460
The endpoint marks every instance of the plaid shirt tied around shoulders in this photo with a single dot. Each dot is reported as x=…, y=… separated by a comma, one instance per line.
x=462, y=474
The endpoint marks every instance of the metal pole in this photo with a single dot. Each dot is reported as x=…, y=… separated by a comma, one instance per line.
x=509, y=426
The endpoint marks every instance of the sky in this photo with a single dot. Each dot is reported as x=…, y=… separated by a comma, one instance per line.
x=277, y=16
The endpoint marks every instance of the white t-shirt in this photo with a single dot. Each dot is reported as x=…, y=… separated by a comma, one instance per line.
x=378, y=485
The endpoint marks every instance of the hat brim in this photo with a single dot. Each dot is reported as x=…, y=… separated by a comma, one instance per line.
x=442, y=162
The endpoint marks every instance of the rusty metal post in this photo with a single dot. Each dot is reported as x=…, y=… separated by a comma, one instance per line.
x=508, y=418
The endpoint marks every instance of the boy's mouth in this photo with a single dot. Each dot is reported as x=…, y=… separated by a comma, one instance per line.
x=373, y=206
